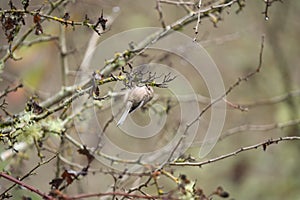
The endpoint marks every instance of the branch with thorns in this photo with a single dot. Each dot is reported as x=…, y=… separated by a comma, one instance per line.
x=264, y=145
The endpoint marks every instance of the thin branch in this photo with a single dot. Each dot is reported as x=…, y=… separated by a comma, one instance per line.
x=177, y=3
x=235, y=106
x=9, y=90
x=63, y=56
x=264, y=145
x=198, y=20
x=139, y=187
x=273, y=100
x=187, y=8
x=160, y=13
x=33, y=42
x=241, y=79
x=127, y=55
x=62, y=20
x=268, y=4
x=99, y=153
x=29, y=187
x=123, y=194
x=39, y=40
x=26, y=34
x=259, y=128
x=19, y=181
x=104, y=171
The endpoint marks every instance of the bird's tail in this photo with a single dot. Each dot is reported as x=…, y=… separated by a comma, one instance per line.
x=125, y=113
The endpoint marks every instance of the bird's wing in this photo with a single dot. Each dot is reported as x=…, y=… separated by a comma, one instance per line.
x=135, y=107
x=125, y=113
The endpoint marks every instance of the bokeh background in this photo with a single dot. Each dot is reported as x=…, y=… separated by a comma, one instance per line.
x=234, y=45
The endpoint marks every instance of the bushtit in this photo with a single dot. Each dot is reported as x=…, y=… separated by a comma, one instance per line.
x=136, y=98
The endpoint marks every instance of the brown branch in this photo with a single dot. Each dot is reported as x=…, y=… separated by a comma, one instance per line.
x=268, y=4
x=29, y=187
x=26, y=34
x=33, y=42
x=262, y=102
x=28, y=174
x=235, y=106
x=139, y=187
x=19, y=181
x=259, y=128
x=50, y=17
x=9, y=90
x=177, y=3
x=104, y=171
x=124, y=194
x=273, y=100
x=99, y=153
x=264, y=145
x=39, y=40
x=160, y=13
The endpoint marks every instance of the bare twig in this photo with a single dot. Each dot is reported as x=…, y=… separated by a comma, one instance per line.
x=259, y=128
x=236, y=106
x=241, y=79
x=122, y=194
x=9, y=90
x=264, y=145
x=177, y=3
x=139, y=187
x=33, y=42
x=198, y=20
x=63, y=56
x=104, y=171
x=273, y=100
x=19, y=181
x=160, y=13
x=268, y=4
x=29, y=187
x=21, y=39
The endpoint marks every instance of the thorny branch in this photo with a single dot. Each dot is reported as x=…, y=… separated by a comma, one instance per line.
x=38, y=19
x=22, y=38
x=264, y=145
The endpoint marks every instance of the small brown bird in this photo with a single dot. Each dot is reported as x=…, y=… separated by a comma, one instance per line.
x=136, y=98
